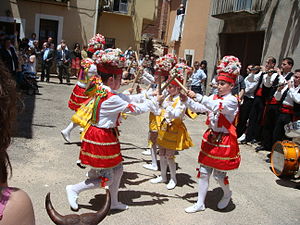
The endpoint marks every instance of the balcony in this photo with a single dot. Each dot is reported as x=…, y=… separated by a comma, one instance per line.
x=122, y=7
x=228, y=9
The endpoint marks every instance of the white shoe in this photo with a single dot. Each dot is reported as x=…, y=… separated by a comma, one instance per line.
x=119, y=206
x=223, y=203
x=242, y=138
x=171, y=185
x=157, y=180
x=150, y=167
x=195, y=208
x=147, y=152
x=72, y=197
x=66, y=136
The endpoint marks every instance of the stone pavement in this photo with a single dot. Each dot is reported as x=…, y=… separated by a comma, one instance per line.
x=42, y=162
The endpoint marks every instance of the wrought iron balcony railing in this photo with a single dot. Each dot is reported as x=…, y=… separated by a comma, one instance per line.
x=223, y=9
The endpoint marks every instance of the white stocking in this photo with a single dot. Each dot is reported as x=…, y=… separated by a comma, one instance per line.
x=114, y=187
x=70, y=127
x=154, y=155
x=203, y=187
x=225, y=187
x=163, y=167
x=172, y=167
x=86, y=185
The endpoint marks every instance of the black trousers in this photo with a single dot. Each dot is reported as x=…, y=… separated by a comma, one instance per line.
x=63, y=71
x=255, y=116
x=279, y=132
x=45, y=70
x=271, y=116
x=245, y=110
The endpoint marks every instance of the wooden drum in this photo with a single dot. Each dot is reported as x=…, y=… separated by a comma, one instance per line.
x=285, y=158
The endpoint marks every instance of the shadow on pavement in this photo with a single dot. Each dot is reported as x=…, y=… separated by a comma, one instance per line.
x=289, y=183
x=211, y=200
x=23, y=125
x=129, y=198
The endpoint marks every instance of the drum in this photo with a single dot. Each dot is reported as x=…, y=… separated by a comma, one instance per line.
x=285, y=158
x=292, y=129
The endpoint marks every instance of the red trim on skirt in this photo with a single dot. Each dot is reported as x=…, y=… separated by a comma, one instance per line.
x=100, y=148
x=217, y=151
x=77, y=98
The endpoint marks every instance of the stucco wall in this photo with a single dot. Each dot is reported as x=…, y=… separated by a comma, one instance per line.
x=78, y=17
x=195, y=27
x=127, y=29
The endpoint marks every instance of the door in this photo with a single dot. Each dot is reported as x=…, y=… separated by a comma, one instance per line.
x=247, y=47
x=9, y=28
x=48, y=28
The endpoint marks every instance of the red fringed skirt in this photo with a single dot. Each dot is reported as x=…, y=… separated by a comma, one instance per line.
x=77, y=98
x=100, y=148
x=217, y=151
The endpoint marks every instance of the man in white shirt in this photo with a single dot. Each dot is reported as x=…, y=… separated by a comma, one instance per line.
x=198, y=77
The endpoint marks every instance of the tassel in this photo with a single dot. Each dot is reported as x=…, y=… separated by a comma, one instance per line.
x=198, y=174
x=226, y=181
x=103, y=181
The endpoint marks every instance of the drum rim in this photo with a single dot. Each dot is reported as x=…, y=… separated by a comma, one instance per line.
x=285, y=170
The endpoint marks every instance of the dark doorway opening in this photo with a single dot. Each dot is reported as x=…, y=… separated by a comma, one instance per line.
x=247, y=47
x=48, y=28
x=10, y=28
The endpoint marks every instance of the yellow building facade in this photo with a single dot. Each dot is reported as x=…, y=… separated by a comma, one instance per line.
x=77, y=20
x=192, y=42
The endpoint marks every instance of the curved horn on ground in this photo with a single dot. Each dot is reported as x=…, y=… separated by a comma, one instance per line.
x=74, y=219
x=53, y=214
x=101, y=214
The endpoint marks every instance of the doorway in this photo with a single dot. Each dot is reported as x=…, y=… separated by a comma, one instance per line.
x=247, y=47
x=10, y=28
x=48, y=28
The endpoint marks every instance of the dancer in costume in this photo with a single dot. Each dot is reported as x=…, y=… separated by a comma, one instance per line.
x=100, y=147
x=88, y=70
x=172, y=133
x=219, y=149
x=163, y=66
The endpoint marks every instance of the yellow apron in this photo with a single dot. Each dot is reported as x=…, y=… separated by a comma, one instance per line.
x=173, y=135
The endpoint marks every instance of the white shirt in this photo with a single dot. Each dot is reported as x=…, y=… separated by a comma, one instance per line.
x=251, y=82
x=291, y=97
x=171, y=112
x=113, y=106
x=269, y=80
x=229, y=105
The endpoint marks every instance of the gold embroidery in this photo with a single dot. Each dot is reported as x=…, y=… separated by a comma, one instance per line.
x=75, y=102
x=78, y=96
x=100, y=156
x=97, y=143
x=221, y=158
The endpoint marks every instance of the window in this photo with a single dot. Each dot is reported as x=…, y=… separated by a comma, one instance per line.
x=121, y=6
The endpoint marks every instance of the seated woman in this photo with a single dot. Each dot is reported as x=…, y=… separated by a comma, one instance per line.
x=15, y=205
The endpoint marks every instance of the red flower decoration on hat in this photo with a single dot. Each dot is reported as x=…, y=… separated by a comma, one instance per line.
x=229, y=68
x=96, y=43
x=166, y=62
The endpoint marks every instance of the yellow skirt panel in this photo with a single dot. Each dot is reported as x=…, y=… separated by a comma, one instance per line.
x=174, y=136
x=154, y=122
